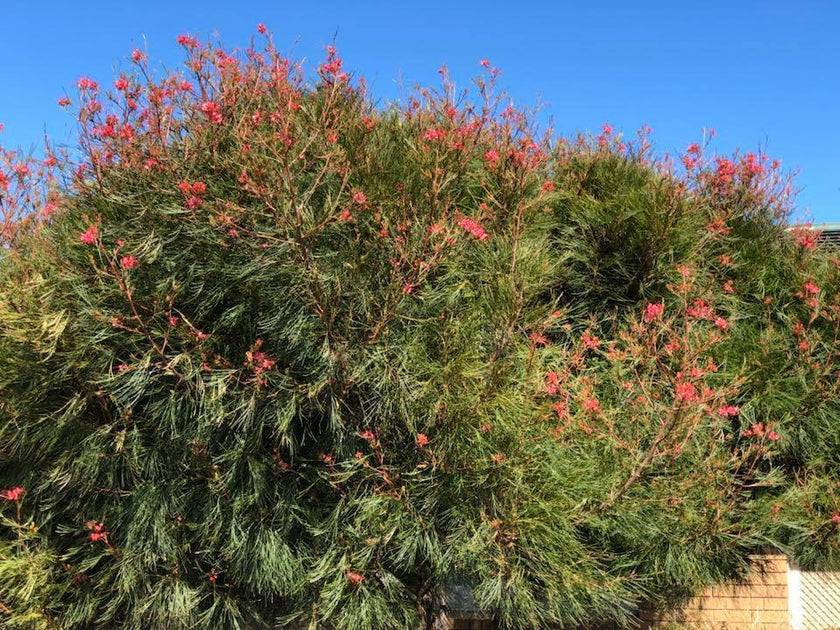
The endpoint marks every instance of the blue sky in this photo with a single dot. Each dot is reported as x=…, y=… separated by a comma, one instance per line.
x=763, y=74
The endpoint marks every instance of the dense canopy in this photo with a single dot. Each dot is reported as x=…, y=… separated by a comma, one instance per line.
x=270, y=354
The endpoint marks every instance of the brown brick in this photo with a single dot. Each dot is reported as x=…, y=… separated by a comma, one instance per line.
x=771, y=579
x=734, y=616
x=775, y=603
x=775, y=616
x=686, y=616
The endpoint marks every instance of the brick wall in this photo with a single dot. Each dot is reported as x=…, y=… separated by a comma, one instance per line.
x=760, y=602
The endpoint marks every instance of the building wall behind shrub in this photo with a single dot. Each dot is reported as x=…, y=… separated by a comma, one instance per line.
x=760, y=602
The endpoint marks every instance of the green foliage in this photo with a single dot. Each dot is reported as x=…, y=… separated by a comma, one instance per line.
x=283, y=358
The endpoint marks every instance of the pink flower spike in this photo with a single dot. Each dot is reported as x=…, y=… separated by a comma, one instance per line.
x=473, y=227
x=13, y=494
x=89, y=236
x=653, y=312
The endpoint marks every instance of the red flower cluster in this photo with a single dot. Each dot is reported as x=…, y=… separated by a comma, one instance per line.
x=88, y=237
x=653, y=312
x=473, y=227
x=538, y=339
x=332, y=67
x=421, y=440
x=591, y=405
x=686, y=392
x=434, y=134
x=589, y=342
x=729, y=411
x=759, y=430
x=699, y=309
x=212, y=110
x=87, y=84
x=98, y=532
x=13, y=494
x=355, y=578
x=359, y=198
x=259, y=361
x=187, y=41
x=552, y=383
x=193, y=193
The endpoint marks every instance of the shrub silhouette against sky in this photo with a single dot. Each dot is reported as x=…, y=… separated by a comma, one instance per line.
x=272, y=354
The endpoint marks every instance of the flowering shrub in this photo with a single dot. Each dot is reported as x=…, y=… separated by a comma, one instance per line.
x=272, y=355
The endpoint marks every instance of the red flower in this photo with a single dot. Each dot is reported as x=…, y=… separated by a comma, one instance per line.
x=261, y=29
x=421, y=440
x=537, y=339
x=128, y=262
x=137, y=55
x=333, y=65
x=473, y=227
x=359, y=198
x=729, y=411
x=552, y=383
x=97, y=531
x=13, y=494
x=589, y=342
x=491, y=157
x=721, y=324
x=173, y=320
x=592, y=405
x=835, y=518
x=653, y=311
x=368, y=436
x=759, y=430
x=434, y=134
x=686, y=392
x=355, y=578
x=186, y=40
x=87, y=84
x=547, y=187
x=718, y=226
x=212, y=110
x=121, y=84
x=810, y=288
x=89, y=237
x=64, y=101
x=699, y=309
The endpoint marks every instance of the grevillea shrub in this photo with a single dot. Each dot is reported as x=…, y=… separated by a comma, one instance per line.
x=273, y=356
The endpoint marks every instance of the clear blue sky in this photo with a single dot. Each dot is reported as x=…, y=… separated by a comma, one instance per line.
x=762, y=73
